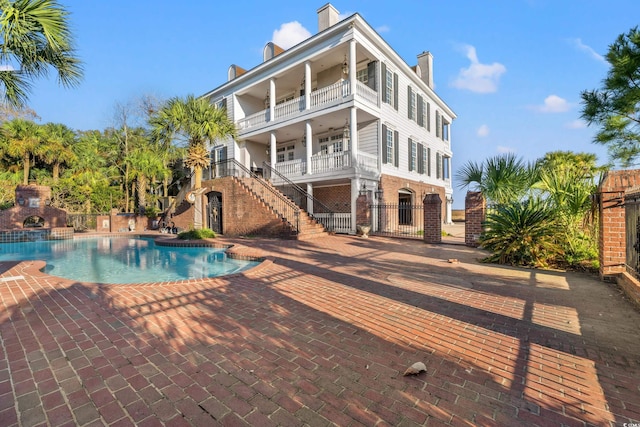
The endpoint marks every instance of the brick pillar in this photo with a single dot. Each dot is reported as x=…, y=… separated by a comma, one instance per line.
x=475, y=210
x=363, y=213
x=612, y=238
x=432, y=218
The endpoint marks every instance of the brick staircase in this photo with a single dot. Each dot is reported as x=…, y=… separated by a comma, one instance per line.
x=308, y=228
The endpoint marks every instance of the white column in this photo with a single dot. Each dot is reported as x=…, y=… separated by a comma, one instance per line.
x=353, y=132
x=352, y=66
x=308, y=137
x=309, y=198
x=272, y=99
x=447, y=219
x=307, y=85
x=272, y=150
x=355, y=192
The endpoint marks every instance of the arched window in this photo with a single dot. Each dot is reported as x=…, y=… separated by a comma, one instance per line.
x=405, y=206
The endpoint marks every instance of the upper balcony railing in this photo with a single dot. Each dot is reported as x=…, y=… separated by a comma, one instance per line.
x=318, y=98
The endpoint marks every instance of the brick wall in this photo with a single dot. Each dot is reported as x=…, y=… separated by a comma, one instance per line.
x=32, y=200
x=475, y=210
x=432, y=218
x=612, y=241
x=336, y=198
x=392, y=184
x=242, y=213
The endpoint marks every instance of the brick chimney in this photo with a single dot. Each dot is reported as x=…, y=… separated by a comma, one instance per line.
x=425, y=64
x=327, y=16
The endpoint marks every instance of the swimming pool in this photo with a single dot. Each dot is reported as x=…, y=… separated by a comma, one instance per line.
x=119, y=260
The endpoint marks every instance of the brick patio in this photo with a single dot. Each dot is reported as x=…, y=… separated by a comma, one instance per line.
x=320, y=335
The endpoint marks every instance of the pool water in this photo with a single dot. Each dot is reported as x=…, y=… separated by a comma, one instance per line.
x=119, y=260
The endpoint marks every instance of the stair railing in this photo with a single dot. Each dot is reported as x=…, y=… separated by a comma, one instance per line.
x=300, y=197
x=270, y=196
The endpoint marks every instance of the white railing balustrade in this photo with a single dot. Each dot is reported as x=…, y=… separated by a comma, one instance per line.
x=291, y=168
x=367, y=161
x=338, y=222
x=254, y=119
x=330, y=93
x=328, y=162
x=368, y=94
x=289, y=108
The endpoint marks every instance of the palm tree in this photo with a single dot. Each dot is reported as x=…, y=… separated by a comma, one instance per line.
x=22, y=139
x=34, y=35
x=194, y=121
x=57, y=147
x=145, y=165
x=501, y=179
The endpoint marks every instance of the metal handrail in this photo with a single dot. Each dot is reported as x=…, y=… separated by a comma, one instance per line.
x=299, y=196
x=270, y=196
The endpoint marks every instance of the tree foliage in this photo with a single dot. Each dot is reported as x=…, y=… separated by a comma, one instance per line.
x=34, y=38
x=616, y=106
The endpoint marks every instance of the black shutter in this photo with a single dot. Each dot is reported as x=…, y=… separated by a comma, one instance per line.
x=420, y=158
x=371, y=75
x=428, y=117
x=384, y=145
x=420, y=103
x=383, y=79
x=395, y=91
x=438, y=166
x=410, y=151
x=409, y=102
x=429, y=161
x=396, y=148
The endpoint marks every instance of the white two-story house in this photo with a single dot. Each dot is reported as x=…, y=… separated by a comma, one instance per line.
x=340, y=114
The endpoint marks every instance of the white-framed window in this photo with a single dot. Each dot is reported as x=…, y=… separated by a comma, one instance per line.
x=389, y=145
x=426, y=159
x=413, y=155
x=332, y=144
x=445, y=130
x=362, y=76
x=412, y=105
x=285, y=153
x=388, y=87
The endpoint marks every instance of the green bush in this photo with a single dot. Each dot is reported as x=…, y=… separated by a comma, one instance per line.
x=203, y=233
x=522, y=234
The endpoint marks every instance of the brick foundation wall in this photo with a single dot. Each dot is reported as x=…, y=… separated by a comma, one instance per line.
x=392, y=184
x=336, y=198
x=612, y=239
x=242, y=214
x=432, y=218
x=475, y=211
x=630, y=286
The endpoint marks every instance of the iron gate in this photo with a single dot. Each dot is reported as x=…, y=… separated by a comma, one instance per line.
x=397, y=220
x=214, y=211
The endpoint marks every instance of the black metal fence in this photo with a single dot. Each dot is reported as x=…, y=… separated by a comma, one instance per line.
x=397, y=220
x=83, y=222
x=632, y=232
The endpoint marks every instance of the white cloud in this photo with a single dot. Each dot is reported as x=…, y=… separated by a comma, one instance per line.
x=553, y=104
x=478, y=77
x=383, y=29
x=577, y=43
x=290, y=34
x=576, y=124
x=6, y=67
x=483, y=131
x=502, y=149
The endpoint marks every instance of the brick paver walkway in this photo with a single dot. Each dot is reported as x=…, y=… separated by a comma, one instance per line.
x=320, y=335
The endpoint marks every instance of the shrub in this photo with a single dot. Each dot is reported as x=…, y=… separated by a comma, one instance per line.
x=522, y=234
x=203, y=233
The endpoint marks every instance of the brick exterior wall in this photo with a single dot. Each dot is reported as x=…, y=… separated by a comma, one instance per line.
x=475, y=210
x=336, y=198
x=32, y=200
x=363, y=213
x=612, y=241
x=432, y=218
x=242, y=213
x=392, y=184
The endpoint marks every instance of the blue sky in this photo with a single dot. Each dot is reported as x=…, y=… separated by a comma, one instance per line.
x=512, y=70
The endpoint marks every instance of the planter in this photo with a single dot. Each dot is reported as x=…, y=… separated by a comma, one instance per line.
x=363, y=230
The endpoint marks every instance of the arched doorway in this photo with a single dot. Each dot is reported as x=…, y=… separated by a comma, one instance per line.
x=214, y=211
x=405, y=207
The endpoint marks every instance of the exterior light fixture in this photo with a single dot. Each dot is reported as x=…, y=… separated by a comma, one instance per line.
x=363, y=189
x=346, y=133
x=345, y=66
x=304, y=139
x=21, y=201
x=266, y=100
